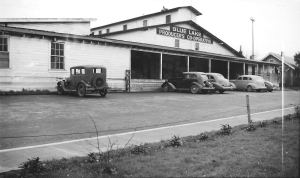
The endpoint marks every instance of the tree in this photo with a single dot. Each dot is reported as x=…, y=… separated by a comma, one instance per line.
x=297, y=59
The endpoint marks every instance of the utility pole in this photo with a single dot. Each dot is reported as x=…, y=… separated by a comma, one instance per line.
x=252, y=56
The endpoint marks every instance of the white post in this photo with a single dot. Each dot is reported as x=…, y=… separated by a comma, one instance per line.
x=248, y=109
x=209, y=66
x=188, y=63
x=160, y=70
x=228, y=69
x=244, y=66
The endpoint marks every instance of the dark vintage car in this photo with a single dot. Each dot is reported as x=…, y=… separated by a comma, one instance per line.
x=84, y=80
x=252, y=82
x=220, y=83
x=189, y=81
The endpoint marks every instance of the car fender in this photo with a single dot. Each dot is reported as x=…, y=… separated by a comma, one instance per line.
x=269, y=83
x=233, y=85
x=217, y=86
x=62, y=84
x=169, y=84
x=198, y=84
x=252, y=85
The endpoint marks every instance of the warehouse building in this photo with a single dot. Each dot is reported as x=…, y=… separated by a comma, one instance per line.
x=35, y=53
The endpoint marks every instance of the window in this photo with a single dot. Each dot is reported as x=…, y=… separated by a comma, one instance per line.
x=240, y=78
x=57, y=56
x=245, y=78
x=124, y=27
x=196, y=46
x=4, y=54
x=271, y=60
x=177, y=43
x=97, y=71
x=145, y=23
x=100, y=32
x=168, y=19
x=107, y=30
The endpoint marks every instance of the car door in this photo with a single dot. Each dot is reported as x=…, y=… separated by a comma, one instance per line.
x=190, y=78
x=238, y=82
x=245, y=82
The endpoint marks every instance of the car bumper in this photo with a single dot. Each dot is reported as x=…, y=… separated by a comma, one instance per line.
x=260, y=88
x=208, y=88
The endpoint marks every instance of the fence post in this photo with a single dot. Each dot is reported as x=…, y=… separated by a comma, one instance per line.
x=248, y=109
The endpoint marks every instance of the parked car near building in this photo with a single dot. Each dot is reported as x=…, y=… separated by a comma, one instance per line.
x=84, y=80
x=189, y=81
x=220, y=83
x=250, y=83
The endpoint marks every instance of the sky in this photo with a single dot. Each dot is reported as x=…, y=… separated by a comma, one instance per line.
x=276, y=26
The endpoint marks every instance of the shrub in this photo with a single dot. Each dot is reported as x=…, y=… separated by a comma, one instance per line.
x=297, y=111
x=175, y=142
x=139, y=149
x=203, y=137
x=275, y=122
x=226, y=129
x=288, y=117
x=263, y=124
x=250, y=127
x=32, y=166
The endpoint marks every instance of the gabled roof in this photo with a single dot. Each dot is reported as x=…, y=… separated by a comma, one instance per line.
x=192, y=23
x=287, y=60
x=14, y=31
x=149, y=15
x=34, y=20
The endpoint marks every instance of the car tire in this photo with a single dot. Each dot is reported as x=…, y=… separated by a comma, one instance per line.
x=258, y=90
x=249, y=88
x=60, y=90
x=103, y=92
x=194, y=89
x=221, y=91
x=270, y=90
x=81, y=90
x=166, y=88
x=98, y=82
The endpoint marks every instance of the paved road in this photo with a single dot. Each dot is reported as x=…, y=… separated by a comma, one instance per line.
x=37, y=115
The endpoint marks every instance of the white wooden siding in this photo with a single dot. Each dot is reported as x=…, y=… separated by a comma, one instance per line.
x=30, y=63
x=76, y=28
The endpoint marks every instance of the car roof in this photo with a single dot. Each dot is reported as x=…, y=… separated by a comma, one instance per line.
x=88, y=66
x=214, y=73
x=194, y=73
x=249, y=76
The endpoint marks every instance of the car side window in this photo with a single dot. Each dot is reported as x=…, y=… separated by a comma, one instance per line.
x=187, y=76
x=72, y=71
x=240, y=78
x=212, y=78
x=245, y=78
x=250, y=78
x=97, y=71
x=193, y=76
x=77, y=71
x=82, y=71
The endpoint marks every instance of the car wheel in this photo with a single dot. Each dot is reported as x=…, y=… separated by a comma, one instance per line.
x=166, y=88
x=221, y=91
x=194, y=89
x=249, y=88
x=81, y=90
x=60, y=90
x=258, y=90
x=103, y=92
x=270, y=90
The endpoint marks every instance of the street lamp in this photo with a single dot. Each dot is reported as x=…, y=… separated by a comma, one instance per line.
x=252, y=56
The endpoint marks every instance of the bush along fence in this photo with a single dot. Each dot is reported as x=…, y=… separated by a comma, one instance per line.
x=27, y=92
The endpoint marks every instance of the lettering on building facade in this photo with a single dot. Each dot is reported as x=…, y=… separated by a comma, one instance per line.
x=184, y=33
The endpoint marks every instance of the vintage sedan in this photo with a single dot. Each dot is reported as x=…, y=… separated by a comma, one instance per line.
x=84, y=80
x=220, y=83
x=249, y=83
x=189, y=81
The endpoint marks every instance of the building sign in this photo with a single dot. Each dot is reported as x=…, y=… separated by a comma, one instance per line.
x=184, y=33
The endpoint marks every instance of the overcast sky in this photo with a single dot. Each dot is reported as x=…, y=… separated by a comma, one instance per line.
x=276, y=26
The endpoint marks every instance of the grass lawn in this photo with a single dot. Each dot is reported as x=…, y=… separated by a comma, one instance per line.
x=271, y=151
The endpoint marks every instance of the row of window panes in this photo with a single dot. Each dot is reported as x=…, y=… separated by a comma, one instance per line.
x=168, y=20
x=57, y=56
x=3, y=44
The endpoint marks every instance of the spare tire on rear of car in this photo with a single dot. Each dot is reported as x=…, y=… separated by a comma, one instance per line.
x=98, y=82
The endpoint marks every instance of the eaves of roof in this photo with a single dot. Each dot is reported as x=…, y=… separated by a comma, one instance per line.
x=40, y=20
x=176, y=23
x=149, y=15
x=133, y=45
x=287, y=60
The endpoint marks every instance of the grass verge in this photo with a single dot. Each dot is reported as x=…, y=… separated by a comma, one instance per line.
x=270, y=150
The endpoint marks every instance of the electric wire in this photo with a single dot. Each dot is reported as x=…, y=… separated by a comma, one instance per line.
x=115, y=130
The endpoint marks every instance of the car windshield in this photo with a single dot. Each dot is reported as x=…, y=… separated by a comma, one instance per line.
x=258, y=78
